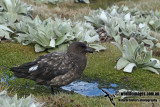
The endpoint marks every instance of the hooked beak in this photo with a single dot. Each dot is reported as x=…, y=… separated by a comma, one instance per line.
x=89, y=50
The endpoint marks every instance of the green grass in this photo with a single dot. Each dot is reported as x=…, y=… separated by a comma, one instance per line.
x=16, y=54
x=13, y=54
x=77, y=11
x=100, y=66
x=95, y=4
x=75, y=100
x=141, y=4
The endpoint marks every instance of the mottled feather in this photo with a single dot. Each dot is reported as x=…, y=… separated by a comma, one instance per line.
x=55, y=69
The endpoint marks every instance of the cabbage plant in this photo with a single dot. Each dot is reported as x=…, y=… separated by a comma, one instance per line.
x=155, y=25
x=82, y=1
x=4, y=32
x=44, y=34
x=136, y=55
x=59, y=1
x=122, y=22
x=55, y=35
x=84, y=32
x=12, y=10
x=15, y=6
x=50, y=1
x=6, y=101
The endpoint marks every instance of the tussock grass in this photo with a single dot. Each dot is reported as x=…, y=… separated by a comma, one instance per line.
x=142, y=4
x=67, y=9
x=76, y=11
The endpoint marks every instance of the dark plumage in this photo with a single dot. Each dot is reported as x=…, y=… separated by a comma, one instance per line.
x=55, y=69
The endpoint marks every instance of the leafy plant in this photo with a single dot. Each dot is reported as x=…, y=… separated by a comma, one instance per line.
x=97, y=17
x=4, y=32
x=85, y=1
x=55, y=35
x=12, y=10
x=122, y=22
x=59, y=1
x=84, y=32
x=155, y=25
x=136, y=55
x=6, y=101
x=15, y=6
x=50, y=1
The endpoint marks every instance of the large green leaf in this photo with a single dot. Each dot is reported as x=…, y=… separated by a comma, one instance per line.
x=129, y=67
x=121, y=63
x=128, y=45
x=39, y=48
x=4, y=34
x=151, y=69
x=158, y=45
x=97, y=47
x=90, y=39
x=117, y=39
x=7, y=101
x=3, y=27
x=134, y=45
x=52, y=42
x=148, y=42
x=150, y=63
x=118, y=46
x=63, y=39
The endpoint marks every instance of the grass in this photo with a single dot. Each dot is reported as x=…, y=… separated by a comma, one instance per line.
x=100, y=66
x=13, y=54
x=142, y=4
x=67, y=10
x=76, y=11
x=75, y=100
x=102, y=3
